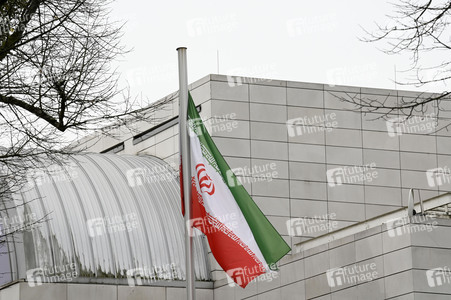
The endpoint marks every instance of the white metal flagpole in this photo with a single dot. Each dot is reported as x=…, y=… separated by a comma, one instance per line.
x=186, y=171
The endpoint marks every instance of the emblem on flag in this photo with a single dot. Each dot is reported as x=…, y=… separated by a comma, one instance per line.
x=205, y=182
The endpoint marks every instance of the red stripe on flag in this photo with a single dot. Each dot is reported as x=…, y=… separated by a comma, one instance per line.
x=235, y=258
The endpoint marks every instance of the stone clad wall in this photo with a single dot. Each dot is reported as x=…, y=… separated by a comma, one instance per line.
x=304, y=153
x=373, y=264
x=65, y=291
x=332, y=162
x=314, y=163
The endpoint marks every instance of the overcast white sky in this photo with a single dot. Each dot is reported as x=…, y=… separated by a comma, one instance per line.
x=292, y=40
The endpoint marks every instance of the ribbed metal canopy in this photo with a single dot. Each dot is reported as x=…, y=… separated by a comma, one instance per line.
x=103, y=214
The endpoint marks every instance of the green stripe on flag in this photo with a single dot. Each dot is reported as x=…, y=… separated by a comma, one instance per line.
x=271, y=244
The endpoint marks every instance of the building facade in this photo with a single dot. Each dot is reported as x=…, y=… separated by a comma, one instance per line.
x=303, y=151
x=334, y=179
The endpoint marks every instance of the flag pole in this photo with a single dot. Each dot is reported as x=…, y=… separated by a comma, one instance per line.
x=186, y=168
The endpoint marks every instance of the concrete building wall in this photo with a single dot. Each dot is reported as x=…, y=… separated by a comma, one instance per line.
x=252, y=122
x=261, y=113
x=383, y=262
x=67, y=291
x=388, y=267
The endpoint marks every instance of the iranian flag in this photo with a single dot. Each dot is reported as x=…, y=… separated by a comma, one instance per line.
x=243, y=241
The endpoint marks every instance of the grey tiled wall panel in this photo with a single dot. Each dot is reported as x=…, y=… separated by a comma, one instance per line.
x=304, y=154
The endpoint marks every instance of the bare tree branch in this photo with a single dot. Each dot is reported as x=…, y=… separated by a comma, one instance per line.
x=420, y=29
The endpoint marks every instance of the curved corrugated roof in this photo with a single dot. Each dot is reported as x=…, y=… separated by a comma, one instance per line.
x=105, y=215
